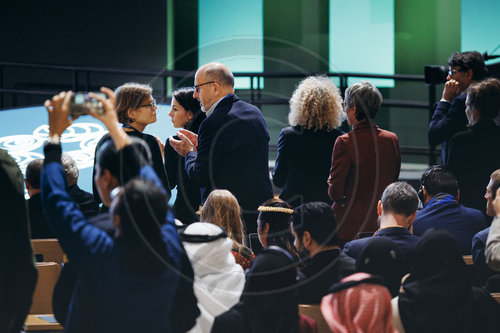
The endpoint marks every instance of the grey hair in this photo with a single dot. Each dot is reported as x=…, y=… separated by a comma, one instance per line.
x=316, y=104
x=70, y=169
x=365, y=97
x=400, y=198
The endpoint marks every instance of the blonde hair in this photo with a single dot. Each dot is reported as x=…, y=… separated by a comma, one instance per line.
x=316, y=104
x=221, y=208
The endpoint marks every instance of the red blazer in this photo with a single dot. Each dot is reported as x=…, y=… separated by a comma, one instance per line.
x=364, y=162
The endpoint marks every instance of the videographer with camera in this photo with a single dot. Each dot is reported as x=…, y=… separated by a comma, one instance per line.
x=449, y=118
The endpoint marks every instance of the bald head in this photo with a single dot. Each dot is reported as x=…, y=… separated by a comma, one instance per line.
x=212, y=82
x=219, y=73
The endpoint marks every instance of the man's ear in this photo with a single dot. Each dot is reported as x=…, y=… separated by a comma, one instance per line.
x=266, y=228
x=475, y=114
x=458, y=195
x=306, y=239
x=379, y=208
x=28, y=185
x=411, y=218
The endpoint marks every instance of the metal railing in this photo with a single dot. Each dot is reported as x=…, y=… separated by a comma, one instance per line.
x=82, y=74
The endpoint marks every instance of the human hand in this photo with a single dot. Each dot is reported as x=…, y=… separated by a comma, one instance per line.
x=58, y=110
x=496, y=203
x=191, y=136
x=451, y=90
x=182, y=146
x=109, y=118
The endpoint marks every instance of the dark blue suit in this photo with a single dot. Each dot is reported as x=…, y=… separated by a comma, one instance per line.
x=406, y=242
x=478, y=246
x=233, y=145
x=448, y=119
x=444, y=212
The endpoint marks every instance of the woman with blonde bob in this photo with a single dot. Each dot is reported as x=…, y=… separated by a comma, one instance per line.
x=221, y=208
x=305, y=147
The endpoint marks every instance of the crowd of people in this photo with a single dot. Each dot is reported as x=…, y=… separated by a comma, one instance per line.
x=376, y=254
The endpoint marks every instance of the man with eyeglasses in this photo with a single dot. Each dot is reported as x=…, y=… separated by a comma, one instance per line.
x=449, y=117
x=231, y=149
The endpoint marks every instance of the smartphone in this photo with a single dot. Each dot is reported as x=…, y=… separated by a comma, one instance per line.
x=81, y=103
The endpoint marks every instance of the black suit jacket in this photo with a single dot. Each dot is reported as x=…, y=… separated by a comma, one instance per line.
x=232, y=153
x=303, y=164
x=448, y=119
x=473, y=155
x=406, y=242
x=39, y=226
x=320, y=272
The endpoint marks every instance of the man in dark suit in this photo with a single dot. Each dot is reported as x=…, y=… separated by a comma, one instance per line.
x=449, y=117
x=85, y=201
x=439, y=194
x=39, y=228
x=397, y=210
x=231, y=149
x=314, y=228
x=479, y=240
x=475, y=153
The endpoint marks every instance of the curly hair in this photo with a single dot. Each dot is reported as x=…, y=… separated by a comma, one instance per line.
x=221, y=208
x=316, y=104
x=129, y=96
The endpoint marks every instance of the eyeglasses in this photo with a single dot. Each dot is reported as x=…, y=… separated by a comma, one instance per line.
x=150, y=105
x=196, y=87
x=452, y=72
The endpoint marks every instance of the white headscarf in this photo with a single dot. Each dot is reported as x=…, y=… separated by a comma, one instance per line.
x=218, y=279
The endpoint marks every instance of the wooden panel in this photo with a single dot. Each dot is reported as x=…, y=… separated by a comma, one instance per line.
x=468, y=260
x=50, y=248
x=314, y=311
x=48, y=273
x=33, y=323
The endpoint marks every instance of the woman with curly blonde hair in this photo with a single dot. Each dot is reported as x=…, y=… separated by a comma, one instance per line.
x=221, y=208
x=305, y=147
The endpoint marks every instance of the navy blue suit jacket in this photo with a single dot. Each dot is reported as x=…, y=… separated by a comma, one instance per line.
x=448, y=119
x=232, y=153
x=462, y=222
x=406, y=242
x=303, y=164
x=478, y=246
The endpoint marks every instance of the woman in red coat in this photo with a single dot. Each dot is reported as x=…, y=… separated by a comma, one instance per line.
x=364, y=162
